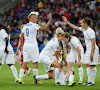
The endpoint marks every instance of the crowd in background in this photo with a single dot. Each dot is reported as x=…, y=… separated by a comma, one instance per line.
x=73, y=10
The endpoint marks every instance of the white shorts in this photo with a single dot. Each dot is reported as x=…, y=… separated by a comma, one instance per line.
x=30, y=53
x=46, y=61
x=10, y=55
x=95, y=57
x=74, y=57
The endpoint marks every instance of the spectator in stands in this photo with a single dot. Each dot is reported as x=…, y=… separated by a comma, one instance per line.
x=45, y=41
x=15, y=44
x=72, y=9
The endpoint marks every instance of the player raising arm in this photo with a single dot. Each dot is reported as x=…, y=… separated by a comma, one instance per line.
x=30, y=48
x=92, y=51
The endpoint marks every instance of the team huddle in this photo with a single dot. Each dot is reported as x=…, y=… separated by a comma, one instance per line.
x=52, y=56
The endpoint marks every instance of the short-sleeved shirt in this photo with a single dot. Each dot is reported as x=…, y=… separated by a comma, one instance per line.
x=51, y=47
x=30, y=32
x=74, y=43
x=3, y=35
x=88, y=35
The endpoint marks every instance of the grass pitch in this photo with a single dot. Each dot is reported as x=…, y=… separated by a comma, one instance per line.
x=7, y=80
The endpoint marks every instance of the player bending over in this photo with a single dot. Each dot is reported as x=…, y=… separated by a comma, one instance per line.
x=77, y=53
x=46, y=57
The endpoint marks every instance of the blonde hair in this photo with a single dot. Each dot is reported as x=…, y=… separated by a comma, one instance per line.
x=59, y=31
x=33, y=13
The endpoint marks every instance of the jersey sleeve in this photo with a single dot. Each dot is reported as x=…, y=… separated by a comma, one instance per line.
x=4, y=34
x=37, y=27
x=56, y=47
x=81, y=29
x=74, y=42
x=91, y=34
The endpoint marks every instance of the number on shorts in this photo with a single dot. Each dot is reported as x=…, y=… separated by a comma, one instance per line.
x=27, y=32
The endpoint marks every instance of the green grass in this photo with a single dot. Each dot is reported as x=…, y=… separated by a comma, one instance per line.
x=7, y=80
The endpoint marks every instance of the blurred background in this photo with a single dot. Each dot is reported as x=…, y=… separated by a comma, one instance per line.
x=14, y=13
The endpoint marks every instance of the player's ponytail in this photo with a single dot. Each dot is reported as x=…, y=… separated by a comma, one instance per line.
x=67, y=35
x=89, y=21
x=59, y=31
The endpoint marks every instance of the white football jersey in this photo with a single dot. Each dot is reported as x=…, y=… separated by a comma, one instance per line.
x=3, y=35
x=30, y=32
x=74, y=43
x=88, y=35
x=51, y=47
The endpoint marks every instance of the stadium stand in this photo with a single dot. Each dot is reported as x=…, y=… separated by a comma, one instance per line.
x=74, y=10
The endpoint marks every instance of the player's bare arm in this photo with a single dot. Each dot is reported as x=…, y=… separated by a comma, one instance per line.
x=19, y=44
x=92, y=50
x=57, y=54
x=70, y=24
x=79, y=56
x=21, y=38
x=6, y=40
x=65, y=54
x=48, y=23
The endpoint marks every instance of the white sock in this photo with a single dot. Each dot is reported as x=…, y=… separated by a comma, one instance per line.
x=57, y=73
x=35, y=72
x=45, y=76
x=93, y=72
x=71, y=78
x=89, y=74
x=14, y=71
x=21, y=73
x=81, y=73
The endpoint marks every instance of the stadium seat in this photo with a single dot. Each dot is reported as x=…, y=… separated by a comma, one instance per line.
x=41, y=47
x=15, y=49
x=11, y=42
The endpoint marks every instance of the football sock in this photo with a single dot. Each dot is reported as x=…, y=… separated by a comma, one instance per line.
x=14, y=71
x=21, y=73
x=71, y=78
x=93, y=72
x=45, y=76
x=57, y=73
x=89, y=74
x=35, y=72
x=81, y=73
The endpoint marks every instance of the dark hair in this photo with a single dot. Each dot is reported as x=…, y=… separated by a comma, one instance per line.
x=67, y=35
x=5, y=28
x=89, y=21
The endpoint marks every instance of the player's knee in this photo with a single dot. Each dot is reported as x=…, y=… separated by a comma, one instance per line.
x=87, y=65
x=92, y=66
x=10, y=65
x=79, y=66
